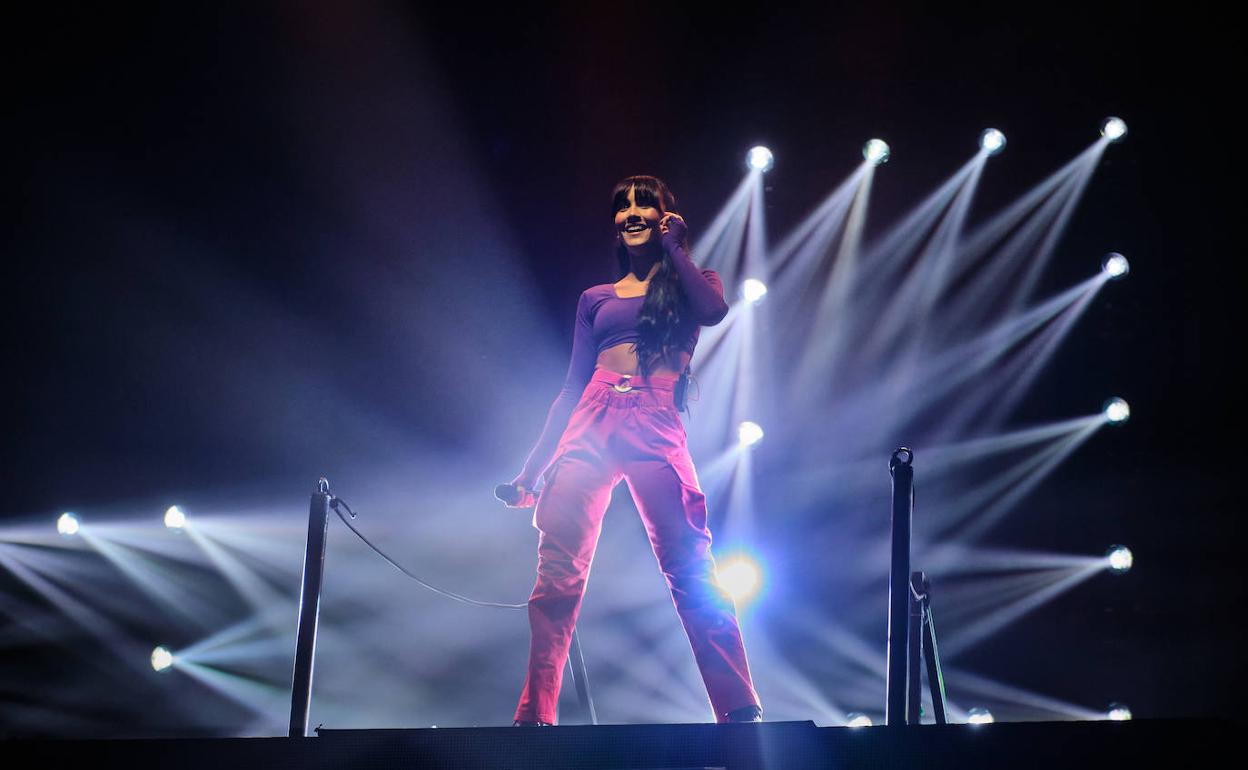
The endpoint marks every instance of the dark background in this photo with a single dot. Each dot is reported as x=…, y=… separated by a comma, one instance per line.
x=198, y=202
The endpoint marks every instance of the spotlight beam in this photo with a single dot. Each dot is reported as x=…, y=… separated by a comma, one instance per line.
x=991, y=279
x=1056, y=197
x=982, y=495
x=249, y=585
x=937, y=262
x=85, y=616
x=897, y=294
x=158, y=584
x=833, y=305
x=1041, y=352
x=730, y=218
x=818, y=227
x=756, y=237
x=938, y=460
x=889, y=255
x=716, y=405
x=260, y=697
x=954, y=559
x=842, y=642
x=1057, y=229
x=255, y=625
x=29, y=620
x=999, y=394
x=982, y=238
x=1034, y=471
x=807, y=698
x=963, y=638
x=1006, y=693
x=923, y=385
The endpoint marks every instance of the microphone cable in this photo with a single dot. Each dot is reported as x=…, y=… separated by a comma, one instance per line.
x=335, y=502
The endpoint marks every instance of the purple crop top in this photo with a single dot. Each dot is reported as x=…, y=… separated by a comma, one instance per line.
x=604, y=319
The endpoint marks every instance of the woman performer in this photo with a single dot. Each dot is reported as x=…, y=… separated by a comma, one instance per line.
x=617, y=417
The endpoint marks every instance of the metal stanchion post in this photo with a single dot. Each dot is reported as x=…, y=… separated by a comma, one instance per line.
x=309, y=610
x=899, y=586
x=931, y=654
x=914, y=648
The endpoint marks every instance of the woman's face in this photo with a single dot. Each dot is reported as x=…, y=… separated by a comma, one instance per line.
x=637, y=223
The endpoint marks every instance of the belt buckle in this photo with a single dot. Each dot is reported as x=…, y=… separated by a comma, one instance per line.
x=623, y=387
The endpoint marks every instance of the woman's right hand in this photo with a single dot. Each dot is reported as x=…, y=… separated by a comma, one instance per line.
x=525, y=497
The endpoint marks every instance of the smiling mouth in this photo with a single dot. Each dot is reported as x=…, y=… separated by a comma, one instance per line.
x=634, y=229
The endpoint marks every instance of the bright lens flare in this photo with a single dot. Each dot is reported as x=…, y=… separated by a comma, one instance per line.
x=749, y=433
x=175, y=518
x=1113, y=129
x=760, y=159
x=1117, y=411
x=67, y=524
x=1120, y=558
x=162, y=659
x=979, y=716
x=858, y=720
x=876, y=151
x=739, y=577
x=992, y=141
x=1115, y=265
x=753, y=290
x=1118, y=713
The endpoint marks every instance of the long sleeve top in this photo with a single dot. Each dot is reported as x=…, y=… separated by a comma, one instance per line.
x=603, y=320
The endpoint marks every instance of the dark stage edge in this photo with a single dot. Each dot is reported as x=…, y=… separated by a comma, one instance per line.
x=771, y=745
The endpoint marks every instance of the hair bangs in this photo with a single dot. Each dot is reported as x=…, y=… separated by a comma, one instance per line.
x=649, y=191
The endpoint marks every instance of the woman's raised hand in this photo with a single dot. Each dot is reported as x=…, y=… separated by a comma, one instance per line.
x=673, y=225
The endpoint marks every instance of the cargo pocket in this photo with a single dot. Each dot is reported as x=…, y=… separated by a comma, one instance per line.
x=547, y=477
x=675, y=424
x=691, y=497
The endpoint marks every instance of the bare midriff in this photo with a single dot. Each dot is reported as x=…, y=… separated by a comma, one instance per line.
x=622, y=358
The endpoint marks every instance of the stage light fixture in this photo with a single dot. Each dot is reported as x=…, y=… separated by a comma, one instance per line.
x=749, y=433
x=1116, y=411
x=1118, y=713
x=992, y=141
x=1113, y=129
x=855, y=719
x=67, y=524
x=876, y=151
x=1120, y=558
x=979, y=716
x=753, y=290
x=1115, y=265
x=760, y=158
x=175, y=518
x=738, y=576
x=162, y=659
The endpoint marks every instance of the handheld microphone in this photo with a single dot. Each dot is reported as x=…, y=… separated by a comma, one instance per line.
x=514, y=498
x=507, y=493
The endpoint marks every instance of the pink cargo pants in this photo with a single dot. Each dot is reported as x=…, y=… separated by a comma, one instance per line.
x=628, y=428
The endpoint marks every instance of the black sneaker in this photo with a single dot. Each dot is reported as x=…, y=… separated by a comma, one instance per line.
x=749, y=713
x=519, y=723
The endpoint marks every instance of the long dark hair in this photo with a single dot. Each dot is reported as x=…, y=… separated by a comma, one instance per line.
x=662, y=328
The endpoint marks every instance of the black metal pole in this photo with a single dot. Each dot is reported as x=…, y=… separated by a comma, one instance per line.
x=581, y=679
x=899, y=586
x=309, y=610
x=914, y=653
x=935, y=677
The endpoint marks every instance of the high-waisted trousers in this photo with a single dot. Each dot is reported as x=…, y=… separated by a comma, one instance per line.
x=628, y=428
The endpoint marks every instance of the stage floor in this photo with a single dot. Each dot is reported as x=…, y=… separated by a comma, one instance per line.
x=771, y=745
